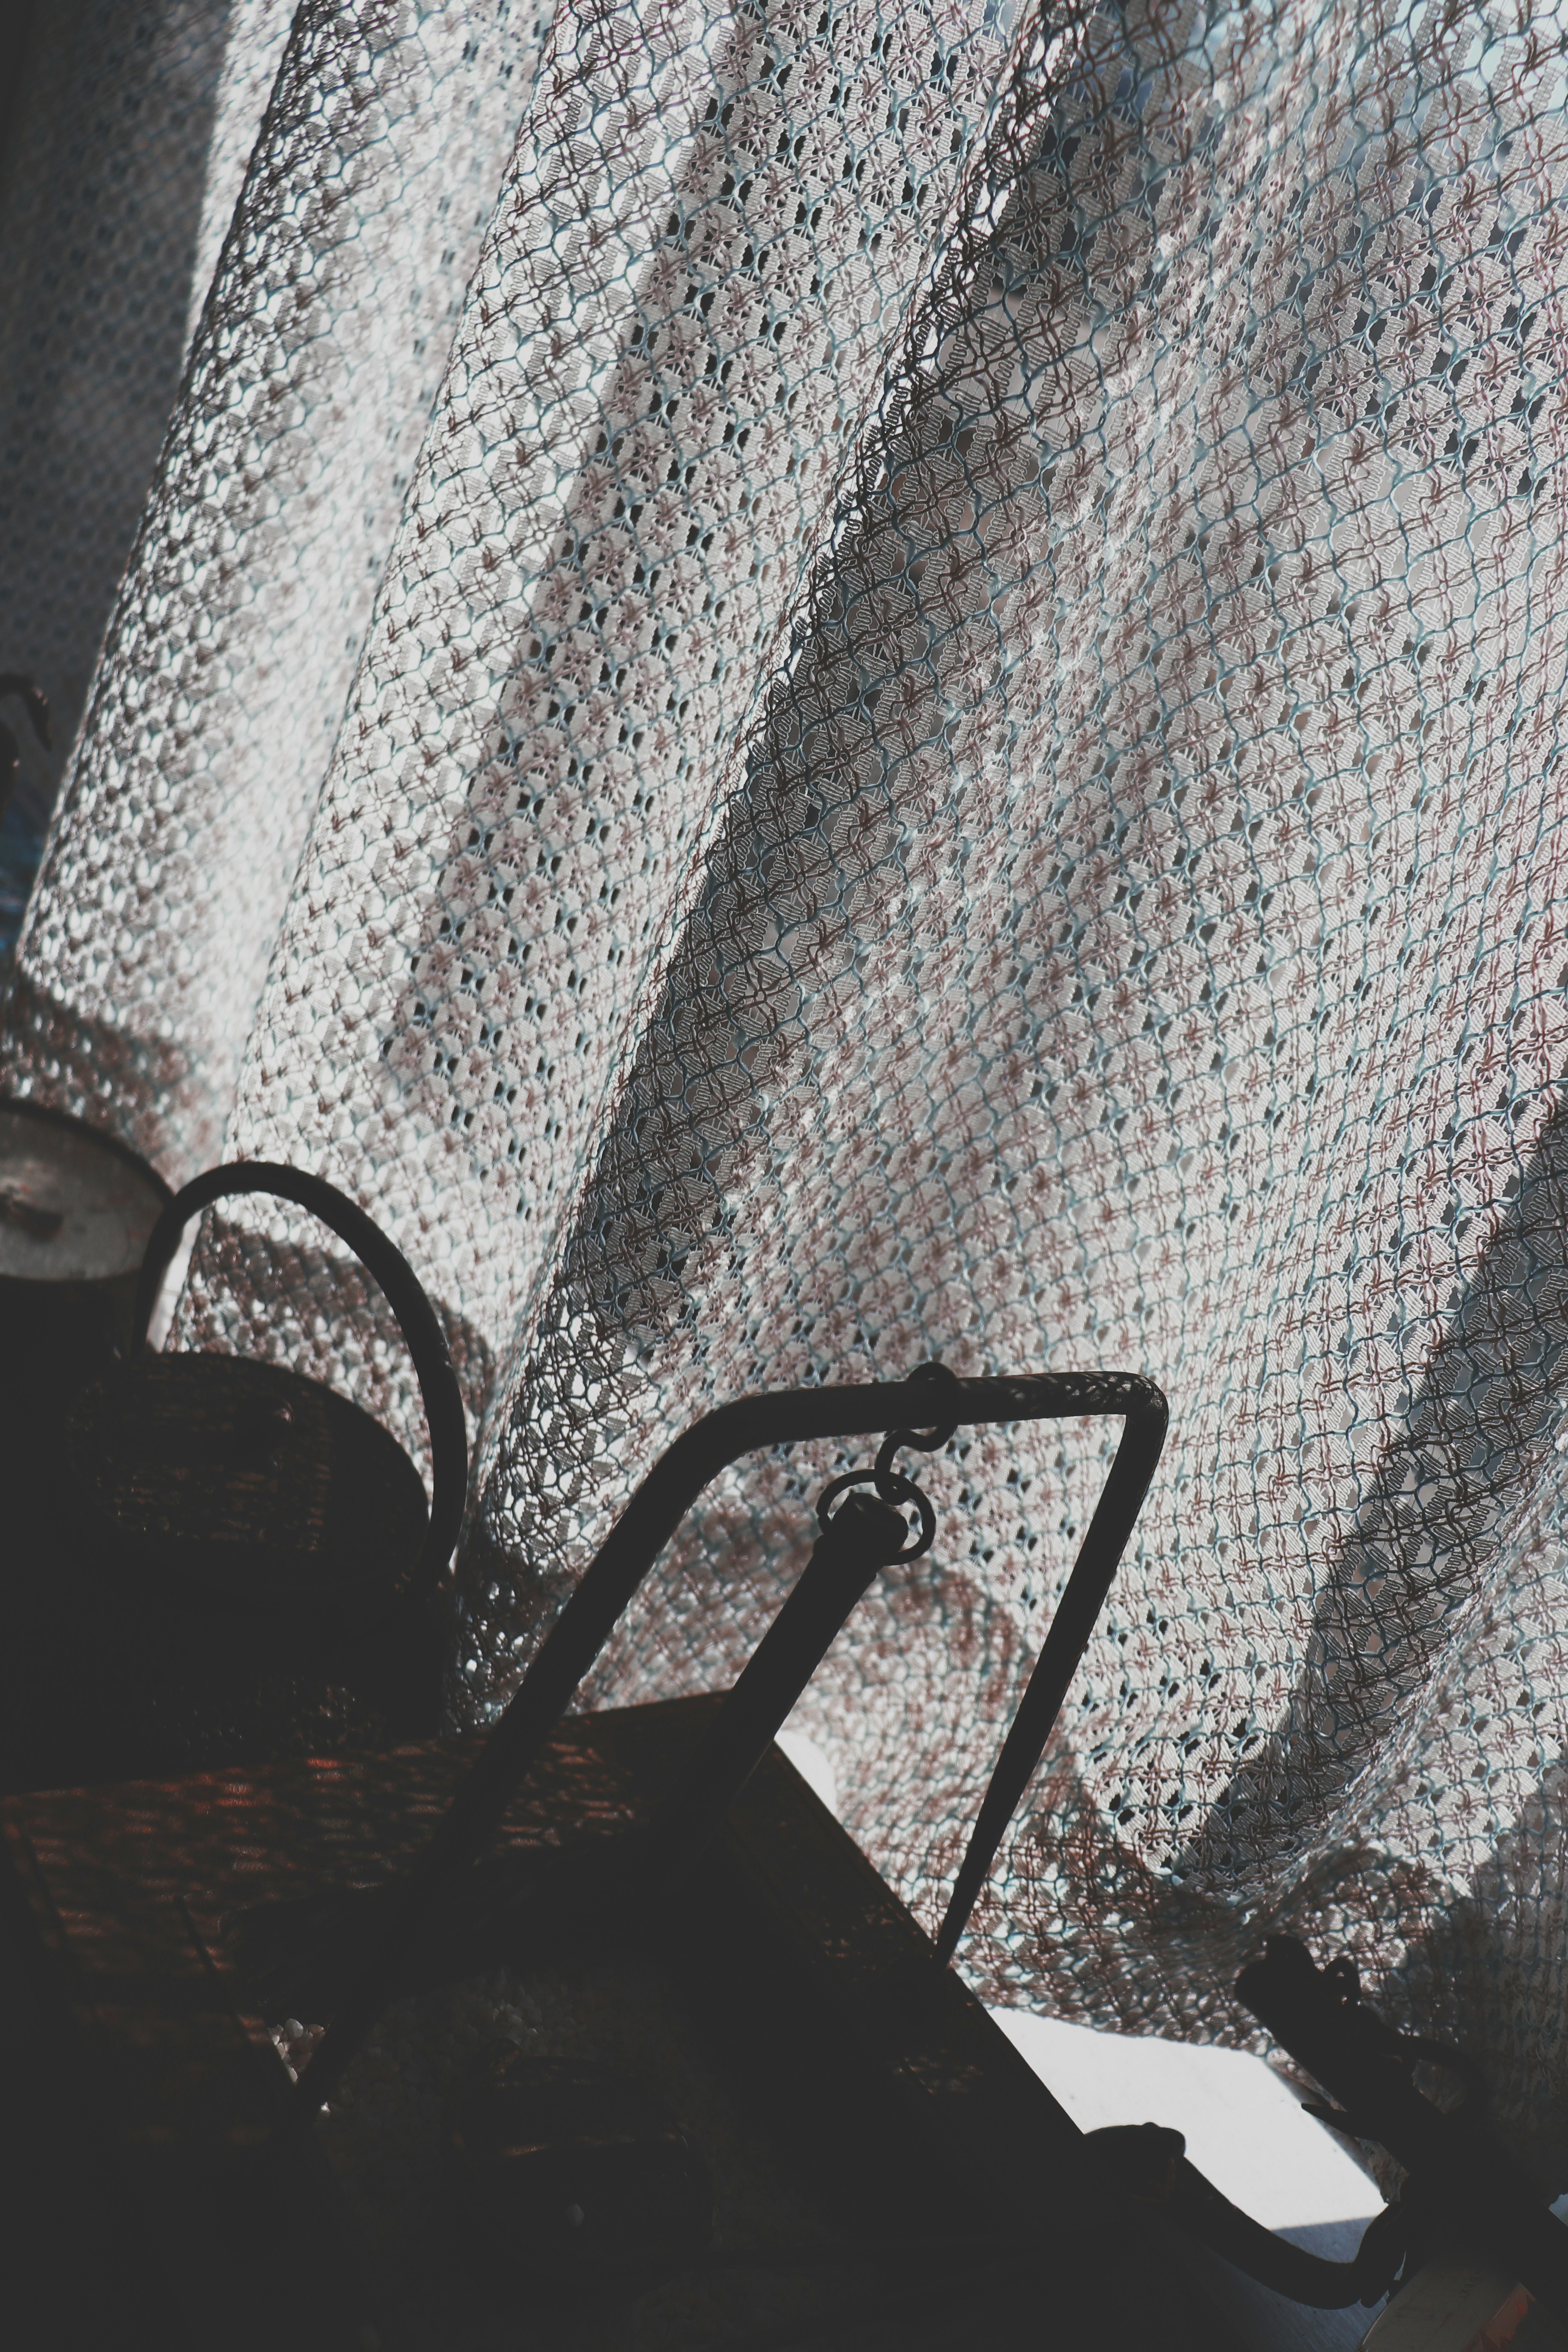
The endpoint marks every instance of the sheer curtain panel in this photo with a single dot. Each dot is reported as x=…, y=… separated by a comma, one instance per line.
x=810, y=685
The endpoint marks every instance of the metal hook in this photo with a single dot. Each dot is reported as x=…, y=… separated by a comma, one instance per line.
x=892, y=1485
x=651, y=1518
x=927, y=1441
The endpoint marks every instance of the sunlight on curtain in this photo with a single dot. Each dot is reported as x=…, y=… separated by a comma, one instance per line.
x=953, y=660
x=237, y=624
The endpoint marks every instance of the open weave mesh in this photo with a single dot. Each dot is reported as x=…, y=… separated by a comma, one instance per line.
x=956, y=753
x=238, y=622
x=123, y=140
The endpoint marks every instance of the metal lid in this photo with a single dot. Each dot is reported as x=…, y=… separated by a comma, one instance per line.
x=74, y=1207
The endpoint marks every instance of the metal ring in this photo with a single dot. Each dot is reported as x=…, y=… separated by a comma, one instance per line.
x=905, y=1491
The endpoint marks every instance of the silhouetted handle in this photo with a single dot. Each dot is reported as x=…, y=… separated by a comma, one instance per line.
x=1465, y=2179
x=399, y=1284
x=1148, y=2166
x=863, y=1538
x=777, y=1417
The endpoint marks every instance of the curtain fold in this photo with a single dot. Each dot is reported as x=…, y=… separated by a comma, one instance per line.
x=119, y=126
x=255, y=35
x=677, y=325
x=237, y=624
x=952, y=747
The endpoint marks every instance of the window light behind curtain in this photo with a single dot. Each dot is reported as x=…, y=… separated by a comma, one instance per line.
x=952, y=747
x=136, y=119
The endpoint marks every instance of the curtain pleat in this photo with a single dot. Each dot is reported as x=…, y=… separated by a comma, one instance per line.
x=113, y=142
x=255, y=35
x=672, y=336
x=237, y=624
x=1136, y=941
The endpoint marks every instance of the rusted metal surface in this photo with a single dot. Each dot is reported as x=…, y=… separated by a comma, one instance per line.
x=75, y=1206
x=76, y=1212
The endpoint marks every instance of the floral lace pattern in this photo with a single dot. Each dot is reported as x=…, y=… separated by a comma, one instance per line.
x=671, y=336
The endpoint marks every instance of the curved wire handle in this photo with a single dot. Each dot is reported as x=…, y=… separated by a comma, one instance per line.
x=650, y=1518
x=1454, y=2165
x=399, y=1284
x=1148, y=2165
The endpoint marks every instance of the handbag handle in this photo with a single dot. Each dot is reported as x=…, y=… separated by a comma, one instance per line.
x=399, y=1286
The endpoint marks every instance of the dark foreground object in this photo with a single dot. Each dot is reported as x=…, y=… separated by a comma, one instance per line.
x=1460, y=2184
x=949, y=2200
x=210, y=1559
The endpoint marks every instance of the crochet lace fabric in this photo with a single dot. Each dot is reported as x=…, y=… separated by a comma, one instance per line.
x=236, y=629
x=952, y=749
x=113, y=145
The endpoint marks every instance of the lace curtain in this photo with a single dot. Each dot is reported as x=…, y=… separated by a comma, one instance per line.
x=810, y=685
x=135, y=121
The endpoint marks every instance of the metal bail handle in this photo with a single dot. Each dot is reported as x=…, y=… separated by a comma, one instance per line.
x=399, y=1286
x=897, y=1409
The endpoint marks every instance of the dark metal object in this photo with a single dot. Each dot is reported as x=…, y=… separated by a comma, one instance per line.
x=929, y=2182
x=1461, y=2186
x=864, y=1536
x=577, y=2178
x=627, y=1553
x=305, y=1960
x=1461, y=2183
x=250, y=1488
x=38, y=710
x=1149, y=2163
x=77, y=1210
x=891, y=1485
x=216, y=1561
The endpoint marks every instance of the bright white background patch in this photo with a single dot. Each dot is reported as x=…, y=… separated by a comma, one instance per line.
x=1245, y=2130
